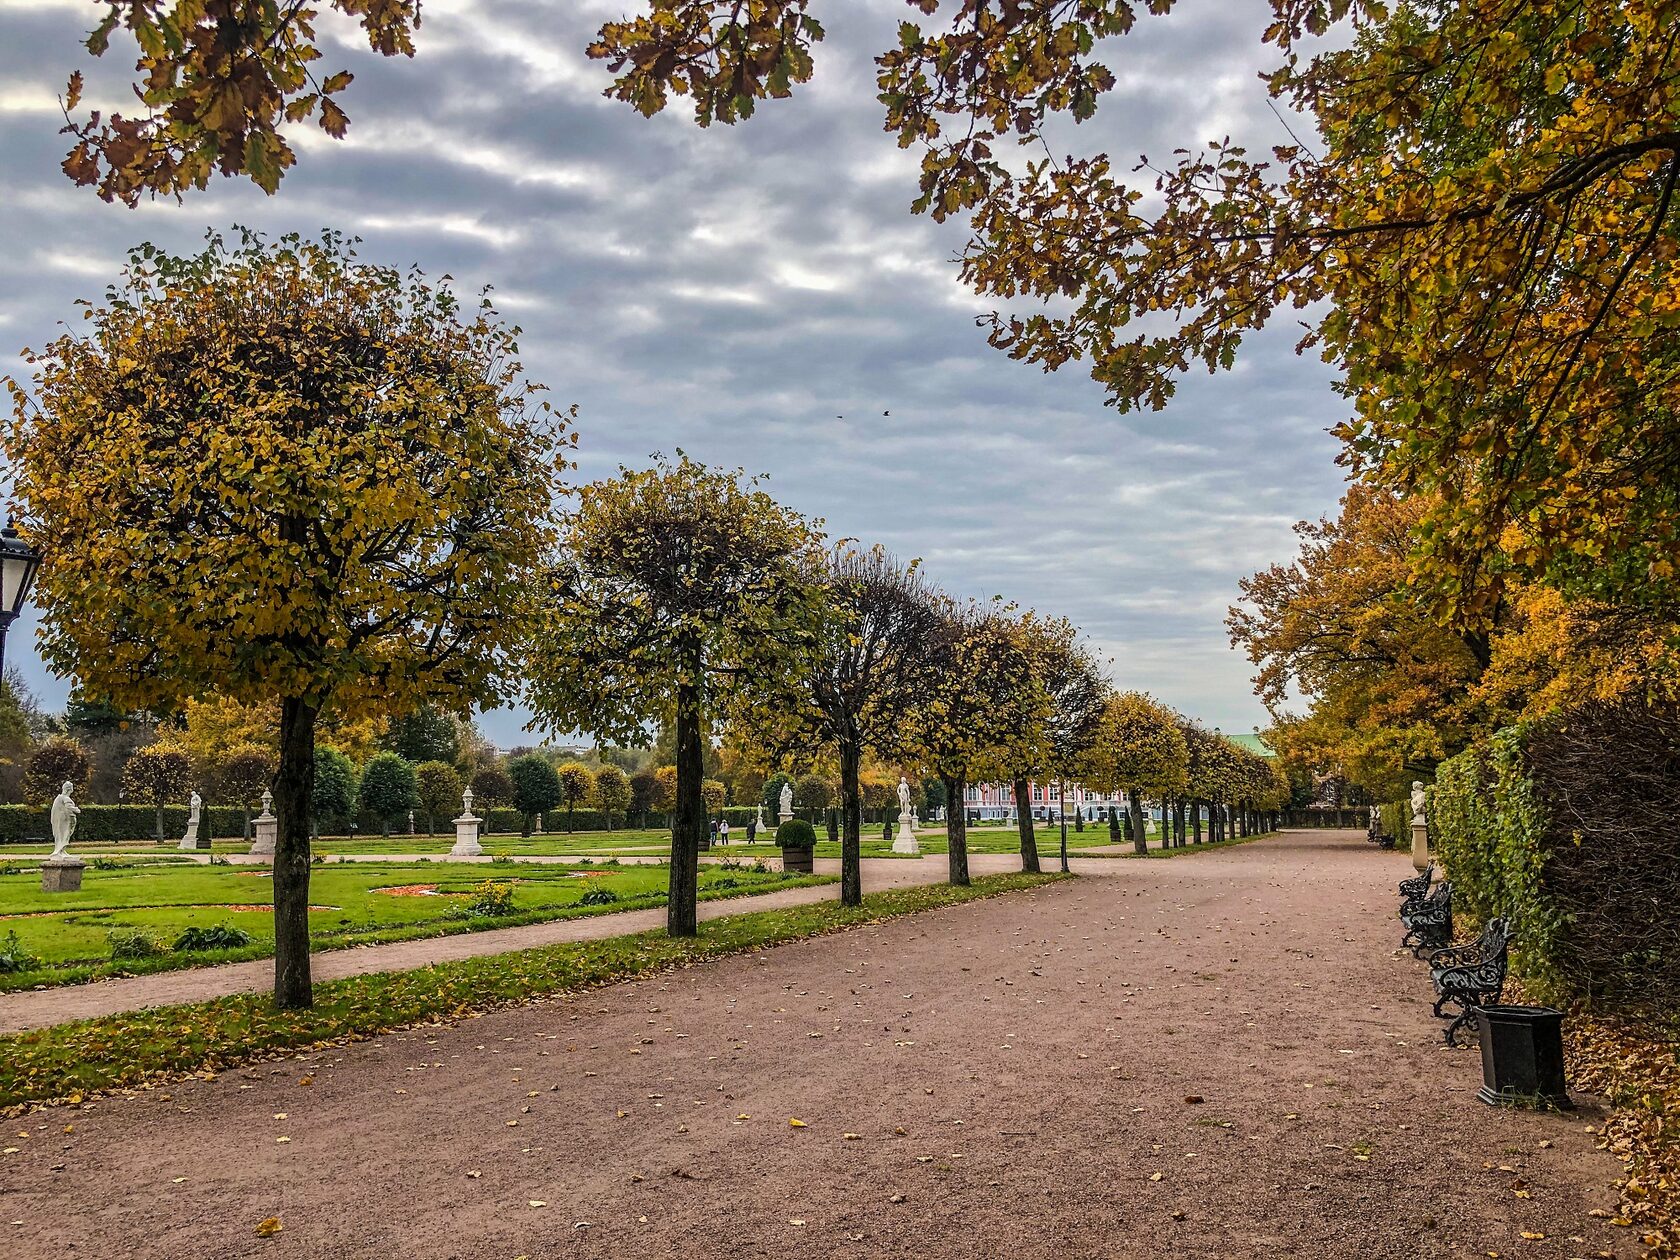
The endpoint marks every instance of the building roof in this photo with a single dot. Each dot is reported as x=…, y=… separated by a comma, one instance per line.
x=1253, y=743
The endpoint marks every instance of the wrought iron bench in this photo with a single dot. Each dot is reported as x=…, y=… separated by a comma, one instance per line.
x=1413, y=891
x=1430, y=925
x=1469, y=976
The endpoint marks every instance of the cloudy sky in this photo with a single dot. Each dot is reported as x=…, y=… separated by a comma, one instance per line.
x=737, y=291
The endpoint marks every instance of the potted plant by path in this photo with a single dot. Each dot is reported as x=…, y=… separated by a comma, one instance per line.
x=797, y=838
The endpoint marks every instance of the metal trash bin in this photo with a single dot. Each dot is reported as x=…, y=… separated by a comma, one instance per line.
x=1522, y=1056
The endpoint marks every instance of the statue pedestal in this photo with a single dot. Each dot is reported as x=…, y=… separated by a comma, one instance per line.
x=267, y=829
x=62, y=874
x=785, y=816
x=466, y=837
x=905, y=841
x=1420, y=845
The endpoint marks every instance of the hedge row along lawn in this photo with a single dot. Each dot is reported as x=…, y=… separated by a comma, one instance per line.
x=69, y=1061
x=363, y=903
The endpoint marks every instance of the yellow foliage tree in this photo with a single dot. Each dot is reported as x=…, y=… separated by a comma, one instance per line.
x=280, y=474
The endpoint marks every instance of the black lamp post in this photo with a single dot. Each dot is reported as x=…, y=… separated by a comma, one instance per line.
x=18, y=562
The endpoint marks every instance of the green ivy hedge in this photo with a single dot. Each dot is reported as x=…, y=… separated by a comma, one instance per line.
x=1565, y=826
x=108, y=824
x=1396, y=818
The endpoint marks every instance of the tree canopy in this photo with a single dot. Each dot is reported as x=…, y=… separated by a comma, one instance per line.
x=297, y=476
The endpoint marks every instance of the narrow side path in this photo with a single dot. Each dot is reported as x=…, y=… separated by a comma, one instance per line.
x=38, y=1008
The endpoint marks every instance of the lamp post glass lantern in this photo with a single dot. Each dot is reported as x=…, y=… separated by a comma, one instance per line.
x=18, y=562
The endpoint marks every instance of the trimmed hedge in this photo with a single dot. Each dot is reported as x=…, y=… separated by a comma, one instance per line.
x=107, y=824
x=1565, y=825
x=1396, y=817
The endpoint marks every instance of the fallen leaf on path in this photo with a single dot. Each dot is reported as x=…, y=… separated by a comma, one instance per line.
x=1194, y=1098
x=797, y=1124
x=268, y=1227
x=1154, y=1176
x=474, y=1173
x=536, y=1202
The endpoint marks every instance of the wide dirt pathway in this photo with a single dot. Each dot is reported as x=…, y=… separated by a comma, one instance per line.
x=1009, y=1078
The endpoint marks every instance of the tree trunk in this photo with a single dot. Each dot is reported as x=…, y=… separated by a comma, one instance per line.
x=1024, y=824
x=568, y=819
x=1195, y=820
x=294, y=788
x=956, y=829
x=160, y=822
x=688, y=821
x=1134, y=812
x=851, y=833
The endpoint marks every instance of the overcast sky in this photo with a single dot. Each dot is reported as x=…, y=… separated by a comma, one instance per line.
x=736, y=291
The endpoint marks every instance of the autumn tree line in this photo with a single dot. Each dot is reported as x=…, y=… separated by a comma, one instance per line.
x=317, y=508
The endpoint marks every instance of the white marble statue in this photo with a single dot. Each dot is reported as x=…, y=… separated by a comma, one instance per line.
x=1417, y=804
x=64, y=812
x=194, y=805
x=903, y=795
x=760, y=817
x=787, y=801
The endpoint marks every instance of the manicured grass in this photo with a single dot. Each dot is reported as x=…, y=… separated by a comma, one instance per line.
x=353, y=905
x=68, y=1061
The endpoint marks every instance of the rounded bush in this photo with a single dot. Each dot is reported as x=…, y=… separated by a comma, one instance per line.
x=796, y=833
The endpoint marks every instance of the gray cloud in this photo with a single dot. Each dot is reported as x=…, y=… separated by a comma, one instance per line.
x=734, y=290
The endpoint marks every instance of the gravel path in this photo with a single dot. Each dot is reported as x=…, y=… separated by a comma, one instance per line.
x=1005, y=1078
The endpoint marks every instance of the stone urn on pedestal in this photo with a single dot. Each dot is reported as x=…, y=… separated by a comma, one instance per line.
x=466, y=830
x=266, y=827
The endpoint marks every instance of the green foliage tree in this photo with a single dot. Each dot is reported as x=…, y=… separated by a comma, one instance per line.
x=332, y=795
x=427, y=734
x=57, y=760
x=536, y=787
x=682, y=590
x=343, y=515
x=1139, y=750
x=644, y=789
x=612, y=792
x=157, y=774
x=576, y=783
x=388, y=790
x=438, y=786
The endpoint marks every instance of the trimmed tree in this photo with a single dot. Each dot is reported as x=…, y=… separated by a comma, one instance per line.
x=612, y=792
x=427, y=734
x=241, y=777
x=333, y=794
x=536, y=787
x=576, y=783
x=298, y=477
x=873, y=649
x=57, y=760
x=388, y=788
x=683, y=589
x=157, y=774
x=1139, y=750
x=438, y=785
x=982, y=704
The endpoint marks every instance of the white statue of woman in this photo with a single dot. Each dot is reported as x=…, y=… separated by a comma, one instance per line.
x=194, y=805
x=64, y=811
x=787, y=800
x=903, y=796
x=1417, y=804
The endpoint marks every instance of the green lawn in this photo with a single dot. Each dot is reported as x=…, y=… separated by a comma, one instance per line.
x=67, y=1061
x=352, y=904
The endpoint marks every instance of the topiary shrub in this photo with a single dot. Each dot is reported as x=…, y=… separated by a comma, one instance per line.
x=218, y=936
x=796, y=833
